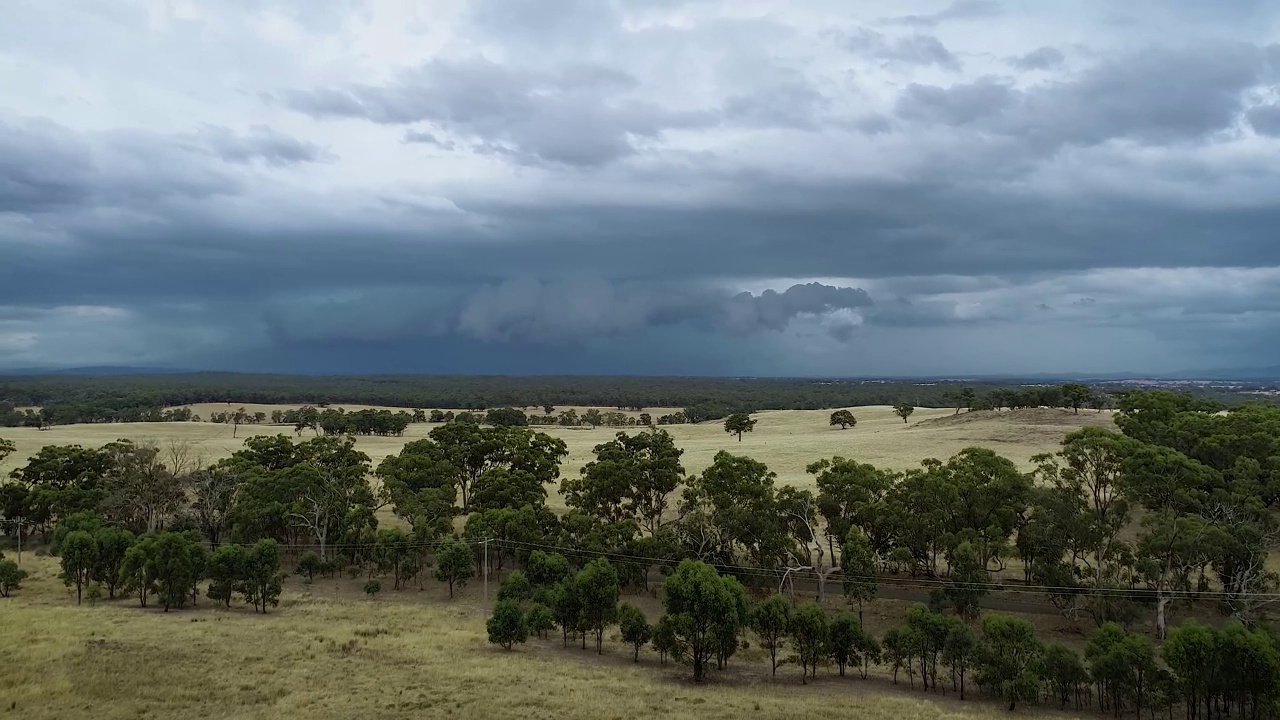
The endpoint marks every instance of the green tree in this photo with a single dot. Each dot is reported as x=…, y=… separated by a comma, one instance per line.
x=842, y=640
x=11, y=577
x=631, y=478
x=1064, y=673
x=808, y=633
x=213, y=493
x=454, y=563
x=967, y=584
x=843, y=418
x=698, y=601
x=1009, y=659
x=868, y=651
x=566, y=605
x=665, y=640
x=261, y=582
x=506, y=417
x=903, y=410
x=79, y=558
x=546, y=569
x=373, y=587
x=958, y=650
x=397, y=552
x=1076, y=395
x=540, y=619
x=507, y=625
x=635, y=629
x=858, y=569
x=138, y=571
x=515, y=586
x=112, y=543
x=227, y=569
x=770, y=619
x=739, y=423
x=175, y=568
x=599, y=589
x=333, y=495
x=309, y=565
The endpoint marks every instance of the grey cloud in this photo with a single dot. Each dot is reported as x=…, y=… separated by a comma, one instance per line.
x=1042, y=58
x=42, y=165
x=958, y=10
x=576, y=116
x=259, y=143
x=960, y=104
x=428, y=138
x=1265, y=119
x=919, y=50
x=1152, y=96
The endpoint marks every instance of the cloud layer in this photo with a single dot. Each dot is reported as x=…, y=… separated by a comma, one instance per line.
x=624, y=186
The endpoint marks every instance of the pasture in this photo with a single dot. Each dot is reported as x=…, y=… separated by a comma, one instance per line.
x=786, y=440
x=330, y=652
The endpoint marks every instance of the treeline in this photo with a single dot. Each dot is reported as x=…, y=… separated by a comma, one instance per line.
x=71, y=399
x=1206, y=672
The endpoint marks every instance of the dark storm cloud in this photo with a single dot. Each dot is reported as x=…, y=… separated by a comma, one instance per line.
x=465, y=193
x=1042, y=58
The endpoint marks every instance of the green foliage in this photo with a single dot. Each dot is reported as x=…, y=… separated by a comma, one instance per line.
x=903, y=410
x=959, y=649
x=112, y=545
x=666, y=641
x=261, y=582
x=631, y=478
x=138, y=571
x=309, y=565
x=699, y=602
x=79, y=557
x=11, y=577
x=770, y=620
x=507, y=625
x=842, y=639
x=506, y=417
x=566, y=605
x=599, y=589
x=858, y=569
x=540, y=619
x=454, y=563
x=1076, y=395
x=227, y=568
x=844, y=419
x=1063, y=673
x=739, y=423
x=176, y=560
x=373, y=587
x=1009, y=659
x=398, y=553
x=546, y=569
x=515, y=586
x=809, y=633
x=635, y=629
x=967, y=584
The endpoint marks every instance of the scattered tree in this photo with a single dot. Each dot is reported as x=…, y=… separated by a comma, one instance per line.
x=903, y=410
x=507, y=625
x=739, y=423
x=454, y=564
x=635, y=630
x=844, y=419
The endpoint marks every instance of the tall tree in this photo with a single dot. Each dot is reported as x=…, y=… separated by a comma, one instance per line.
x=632, y=478
x=808, y=633
x=633, y=626
x=507, y=625
x=842, y=639
x=113, y=544
x=1076, y=395
x=698, y=601
x=599, y=589
x=454, y=563
x=79, y=558
x=739, y=423
x=770, y=619
x=858, y=569
x=227, y=569
x=213, y=497
x=261, y=580
x=333, y=495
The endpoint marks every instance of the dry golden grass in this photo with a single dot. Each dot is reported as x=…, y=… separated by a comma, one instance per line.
x=786, y=440
x=325, y=653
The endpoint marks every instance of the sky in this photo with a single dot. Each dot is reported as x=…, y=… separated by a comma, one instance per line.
x=687, y=187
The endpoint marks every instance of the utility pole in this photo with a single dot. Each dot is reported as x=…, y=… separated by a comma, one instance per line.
x=485, y=543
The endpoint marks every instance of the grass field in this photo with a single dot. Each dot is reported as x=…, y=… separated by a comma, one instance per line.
x=786, y=440
x=327, y=652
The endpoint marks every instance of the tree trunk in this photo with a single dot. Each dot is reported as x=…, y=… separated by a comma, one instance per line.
x=1162, y=628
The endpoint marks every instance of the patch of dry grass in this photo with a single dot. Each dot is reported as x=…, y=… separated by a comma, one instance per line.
x=326, y=653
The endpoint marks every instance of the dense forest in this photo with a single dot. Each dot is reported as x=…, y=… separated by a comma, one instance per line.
x=72, y=399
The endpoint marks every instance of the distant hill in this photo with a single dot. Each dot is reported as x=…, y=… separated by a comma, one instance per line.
x=1263, y=374
x=96, y=370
